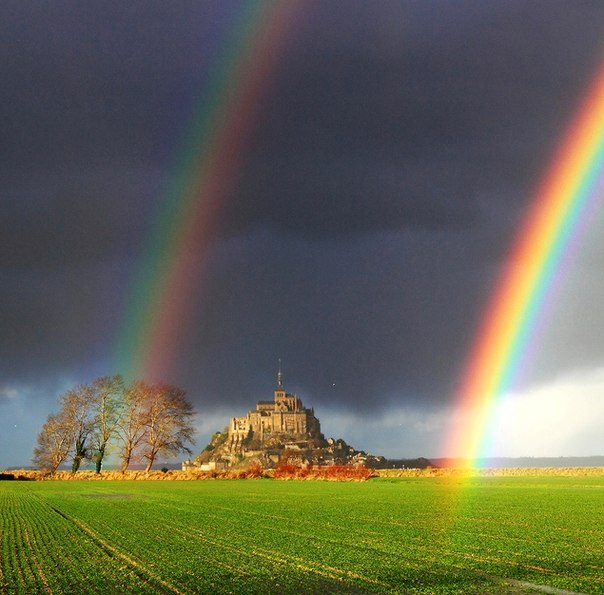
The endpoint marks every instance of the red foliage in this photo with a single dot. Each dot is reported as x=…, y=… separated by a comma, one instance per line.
x=328, y=472
x=285, y=471
x=254, y=471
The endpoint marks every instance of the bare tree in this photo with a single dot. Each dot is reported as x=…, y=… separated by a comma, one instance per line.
x=54, y=443
x=77, y=413
x=132, y=424
x=107, y=404
x=148, y=420
x=168, y=417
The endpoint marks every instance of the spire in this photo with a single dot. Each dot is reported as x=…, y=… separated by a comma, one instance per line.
x=280, y=377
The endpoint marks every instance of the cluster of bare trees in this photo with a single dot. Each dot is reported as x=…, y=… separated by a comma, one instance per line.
x=141, y=421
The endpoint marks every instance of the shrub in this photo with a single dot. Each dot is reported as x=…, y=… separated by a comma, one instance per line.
x=285, y=471
x=328, y=472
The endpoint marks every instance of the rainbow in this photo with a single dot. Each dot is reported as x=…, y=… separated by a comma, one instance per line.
x=562, y=202
x=164, y=291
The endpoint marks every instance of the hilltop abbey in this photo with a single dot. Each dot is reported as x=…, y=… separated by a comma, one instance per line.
x=279, y=430
x=285, y=414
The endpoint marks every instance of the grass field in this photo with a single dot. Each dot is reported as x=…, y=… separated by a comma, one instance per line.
x=418, y=535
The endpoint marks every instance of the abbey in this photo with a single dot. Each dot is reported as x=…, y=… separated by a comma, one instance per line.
x=285, y=414
x=276, y=431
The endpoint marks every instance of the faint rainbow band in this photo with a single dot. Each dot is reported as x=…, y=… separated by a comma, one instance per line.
x=164, y=291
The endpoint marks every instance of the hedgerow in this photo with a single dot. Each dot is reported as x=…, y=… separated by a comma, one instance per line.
x=253, y=471
x=323, y=472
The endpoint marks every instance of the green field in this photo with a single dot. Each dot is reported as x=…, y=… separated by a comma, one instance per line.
x=418, y=535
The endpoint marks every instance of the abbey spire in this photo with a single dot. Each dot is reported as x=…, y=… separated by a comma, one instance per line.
x=279, y=377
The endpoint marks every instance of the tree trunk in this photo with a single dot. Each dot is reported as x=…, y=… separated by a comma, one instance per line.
x=126, y=456
x=80, y=453
x=99, y=459
x=75, y=465
x=151, y=460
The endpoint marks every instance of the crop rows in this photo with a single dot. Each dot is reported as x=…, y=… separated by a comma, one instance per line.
x=42, y=552
x=423, y=535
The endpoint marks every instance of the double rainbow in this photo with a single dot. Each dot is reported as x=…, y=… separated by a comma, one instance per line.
x=164, y=292
x=560, y=204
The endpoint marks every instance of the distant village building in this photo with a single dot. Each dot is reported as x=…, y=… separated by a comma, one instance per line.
x=285, y=414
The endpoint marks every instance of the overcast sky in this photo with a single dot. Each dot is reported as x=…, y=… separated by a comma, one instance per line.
x=397, y=148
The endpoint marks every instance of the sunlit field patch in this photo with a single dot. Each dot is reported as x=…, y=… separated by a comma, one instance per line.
x=415, y=534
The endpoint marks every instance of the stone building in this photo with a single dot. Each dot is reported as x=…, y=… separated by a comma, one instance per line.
x=277, y=431
x=285, y=414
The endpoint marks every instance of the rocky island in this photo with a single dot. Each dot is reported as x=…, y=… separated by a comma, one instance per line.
x=277, y=431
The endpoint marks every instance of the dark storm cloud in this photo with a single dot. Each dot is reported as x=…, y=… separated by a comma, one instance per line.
x=96, y=98
x=99, y=81
x=393, y=118
x=349, y=317
x=376, y=119
x=54, y=220
x=390, y=163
